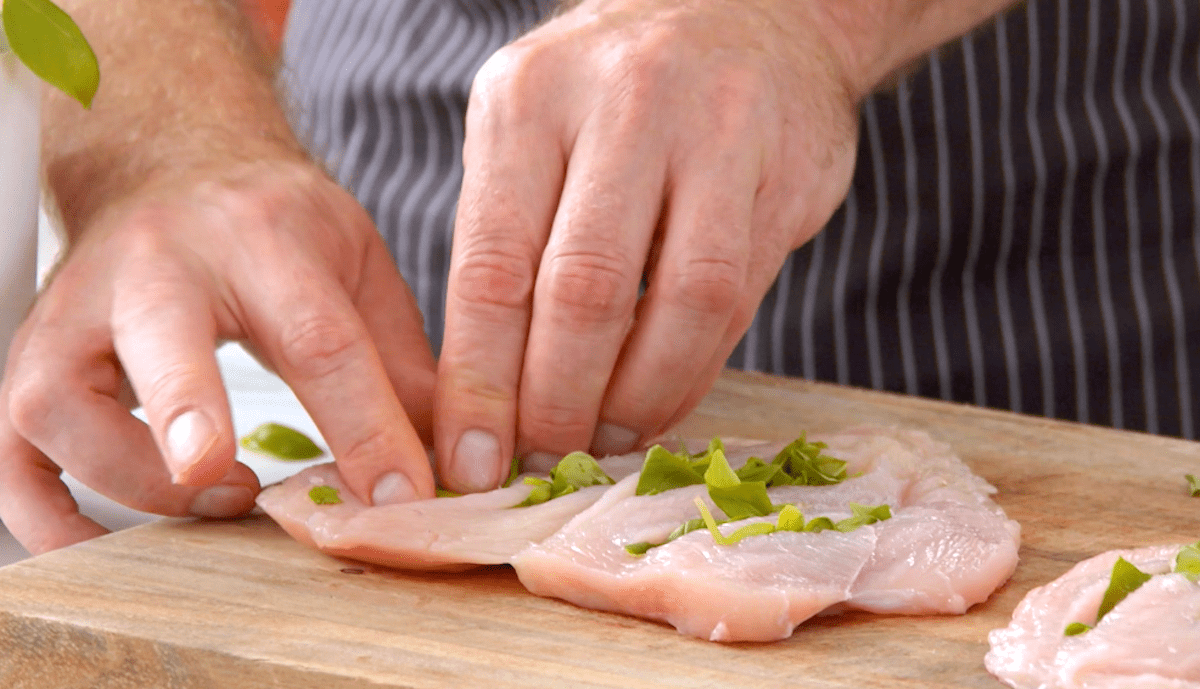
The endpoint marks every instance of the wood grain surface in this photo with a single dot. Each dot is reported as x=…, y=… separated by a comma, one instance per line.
x=238, y=604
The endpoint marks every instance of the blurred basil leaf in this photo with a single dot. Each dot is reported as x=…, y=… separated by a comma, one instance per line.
x=51, y=45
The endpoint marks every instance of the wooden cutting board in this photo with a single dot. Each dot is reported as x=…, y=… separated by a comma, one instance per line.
x=238, y=604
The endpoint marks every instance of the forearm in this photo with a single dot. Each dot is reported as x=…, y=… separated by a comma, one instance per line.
x=875, y=38
x=184, y=85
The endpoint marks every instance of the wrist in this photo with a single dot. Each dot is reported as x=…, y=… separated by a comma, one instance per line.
x=185, y=88
x=874, y=39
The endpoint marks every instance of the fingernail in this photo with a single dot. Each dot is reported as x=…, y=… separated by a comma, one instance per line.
x=540, y=462
x=220, y=502
x=189, y=436
x=392, y=489
x=611, y=439
x=476, y=461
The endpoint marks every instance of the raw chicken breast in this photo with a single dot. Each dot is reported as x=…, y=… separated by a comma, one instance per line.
x=948, y=546
x=441, y=534
x=1150, y=640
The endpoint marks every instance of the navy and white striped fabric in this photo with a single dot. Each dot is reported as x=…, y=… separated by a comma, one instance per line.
x=1023, y=230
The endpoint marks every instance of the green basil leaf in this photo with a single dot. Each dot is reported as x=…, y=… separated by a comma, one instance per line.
x=686, y=528
x=1126, y=578
x=443, y=493
x=820, y=524
x=719, y=474
x=755, y=469
x=52, y=47
x=742, y=500
x=324, y=495
x=281, y=442
x=1187, y=562
x=1193, y=485
x=577, y=470
x=701, y=460
x=756, y=529
x=862, y=516
x=640, y=548
x=514, y=470
x=1075, y=629
x=790, y=519
x=806, y=466
x=542, y=491
x=664, y=470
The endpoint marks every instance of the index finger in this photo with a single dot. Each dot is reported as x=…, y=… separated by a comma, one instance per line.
x=513, y=175
x=308, y=328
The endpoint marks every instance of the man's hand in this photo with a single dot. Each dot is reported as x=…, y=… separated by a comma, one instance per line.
x=193, y=216
x=272, y=253
x=689, y=144
x=692, y=145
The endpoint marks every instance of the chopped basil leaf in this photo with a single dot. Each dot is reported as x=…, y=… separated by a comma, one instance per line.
x=701, y=460
x=665, y=470
x=280, y=442
x=719, y=474
x=685, y=528
x=1193, y=485
x=639, y=548
x=756, y=529
x=443, y=493
x=756, y=469
x=324, y=495
x=743, y=500
x=1075, y=629
x=542, y=491
x=863, y=515
x=1126, y=578
x=1187, y=562
x=803, y=462
x=576, y=470
x=514, y=470
x=820, y=524
x=790, y=519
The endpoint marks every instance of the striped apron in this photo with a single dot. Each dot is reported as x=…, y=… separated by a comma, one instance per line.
x=1022, y=232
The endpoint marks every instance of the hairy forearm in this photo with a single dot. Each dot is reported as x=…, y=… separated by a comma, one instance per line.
x=878, y=37
x=184, y=86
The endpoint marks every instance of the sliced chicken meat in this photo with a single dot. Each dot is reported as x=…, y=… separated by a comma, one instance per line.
x=947, y=547
x=1150, y=640
x=451, y=533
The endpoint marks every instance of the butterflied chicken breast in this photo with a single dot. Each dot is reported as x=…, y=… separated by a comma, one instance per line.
x=450, y=533
x=1149, y=640
x=947, y=546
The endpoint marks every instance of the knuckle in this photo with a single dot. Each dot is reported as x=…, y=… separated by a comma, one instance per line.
x=169, y=388
x=508, y=84
x=707, y=286
x=552, y=425
x=637, y=75
x=735, y=96
x=495, y=273
x=32, y=399
x=369, y=448
x=318, y=344
x=591, y=287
